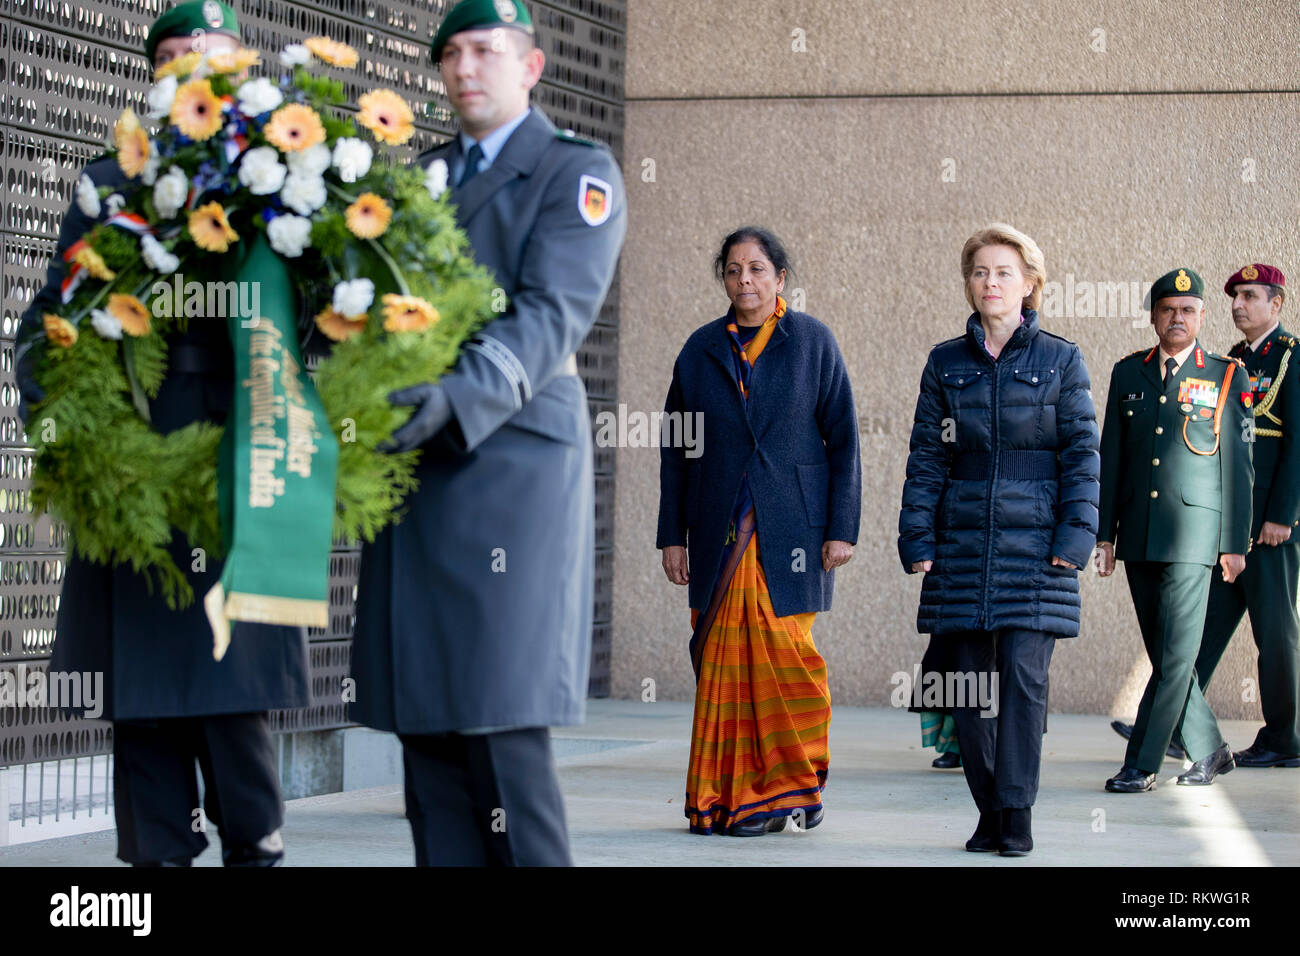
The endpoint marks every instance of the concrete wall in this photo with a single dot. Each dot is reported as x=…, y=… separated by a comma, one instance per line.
x=874, y=152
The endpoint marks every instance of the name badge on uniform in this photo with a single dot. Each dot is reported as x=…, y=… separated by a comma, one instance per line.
x=595, y=200
x=1133, y=397
x=1198, y=391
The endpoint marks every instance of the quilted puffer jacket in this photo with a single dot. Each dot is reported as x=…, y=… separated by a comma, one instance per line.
x=1002, y=476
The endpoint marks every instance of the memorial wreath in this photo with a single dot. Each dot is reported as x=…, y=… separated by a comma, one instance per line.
x=266, y=190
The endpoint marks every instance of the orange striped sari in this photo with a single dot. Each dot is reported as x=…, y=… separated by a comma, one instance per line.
x=762, y=704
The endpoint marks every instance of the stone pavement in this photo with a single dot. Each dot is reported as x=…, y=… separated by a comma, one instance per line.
x=623, y=779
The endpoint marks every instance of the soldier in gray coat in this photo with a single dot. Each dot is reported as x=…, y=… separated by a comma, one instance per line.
x=474, y=612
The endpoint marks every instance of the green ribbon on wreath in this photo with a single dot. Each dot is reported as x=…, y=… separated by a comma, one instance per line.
x=276, y=469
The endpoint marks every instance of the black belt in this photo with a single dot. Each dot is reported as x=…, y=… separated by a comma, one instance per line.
x=1016, y=465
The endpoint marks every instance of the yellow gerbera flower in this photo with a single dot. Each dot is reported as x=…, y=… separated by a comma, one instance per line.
x=59, y=331
x=369, y=216
x=233, y=61
x=338, y=326
x=94, y=263
x=210, y=228
x=294, y=127
x=131, y=312
x=386, y=115
x=181, y=66
x=408, y=313
x=196, y=111
x=132, y=143
x=332, y=52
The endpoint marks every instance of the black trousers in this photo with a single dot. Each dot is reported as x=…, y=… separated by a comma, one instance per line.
x=485, y=799
x=155, y=788
x=1001, y=754
x=1267, y=590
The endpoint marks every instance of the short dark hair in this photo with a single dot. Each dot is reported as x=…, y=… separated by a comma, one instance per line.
x=1273, y=291
x=767, y=241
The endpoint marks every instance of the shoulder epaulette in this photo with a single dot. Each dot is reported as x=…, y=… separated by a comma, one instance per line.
x=569, y=136
x=1135, y=354
x=1288, y=340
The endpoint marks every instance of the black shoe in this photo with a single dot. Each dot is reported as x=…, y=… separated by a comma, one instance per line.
x=1126, y=731
x=1203, y=772
x=1016, y=839
x=949, y=761
x=807, y=819
x=751, y=829
x=987, y=832
x=176, y=861
x=1131, y=780
x=777, y=824
x=268, y=851
x=1257, y=756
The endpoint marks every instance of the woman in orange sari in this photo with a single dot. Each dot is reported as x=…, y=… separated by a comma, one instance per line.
x=778, y=463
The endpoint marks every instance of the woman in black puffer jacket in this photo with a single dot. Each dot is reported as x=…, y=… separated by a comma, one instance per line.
x=1000, y=512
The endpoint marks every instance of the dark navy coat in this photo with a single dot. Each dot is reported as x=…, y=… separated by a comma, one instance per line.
x=1002, y=476
x=158, y=663
x=797, y=440
x=475, y=610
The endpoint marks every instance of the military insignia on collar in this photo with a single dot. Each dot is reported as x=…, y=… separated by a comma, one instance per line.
x=1182, y=283
x=505, y=10
x=1250, y=272
x=212, y=13
x=595, y=197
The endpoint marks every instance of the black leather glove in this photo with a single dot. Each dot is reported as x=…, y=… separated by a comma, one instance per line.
x=29, y=393
x=432, y=413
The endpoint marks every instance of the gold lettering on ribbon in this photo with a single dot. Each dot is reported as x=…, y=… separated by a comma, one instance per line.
x=269, y=365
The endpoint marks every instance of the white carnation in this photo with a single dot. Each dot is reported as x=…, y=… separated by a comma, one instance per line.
x=261, y=171
x=149, y=175
x=114, y=203
x=309, y=162
x=170, y=192
x=435, y=178
x=106, y=325
x=87, y=197
x=289, y=235
x=295, y=54
x=354, y=297
x=259, y=96
x=156, y=257
x=303, y=194
x=160, y=97
x=352, y=158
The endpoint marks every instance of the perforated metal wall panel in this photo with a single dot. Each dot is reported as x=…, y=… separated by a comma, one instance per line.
x=70, y=68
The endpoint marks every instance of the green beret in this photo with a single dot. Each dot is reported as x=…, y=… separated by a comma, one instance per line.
x=187, y=19
x=476, y=14
x=1178, y=282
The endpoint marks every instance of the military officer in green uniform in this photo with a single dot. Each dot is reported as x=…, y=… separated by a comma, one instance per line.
x=1175, y=502
x=1267, y=588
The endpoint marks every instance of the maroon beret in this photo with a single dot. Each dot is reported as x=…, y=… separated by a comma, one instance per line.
x=1256, y=272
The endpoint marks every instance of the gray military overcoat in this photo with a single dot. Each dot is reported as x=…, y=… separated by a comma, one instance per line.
x=475, y=610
